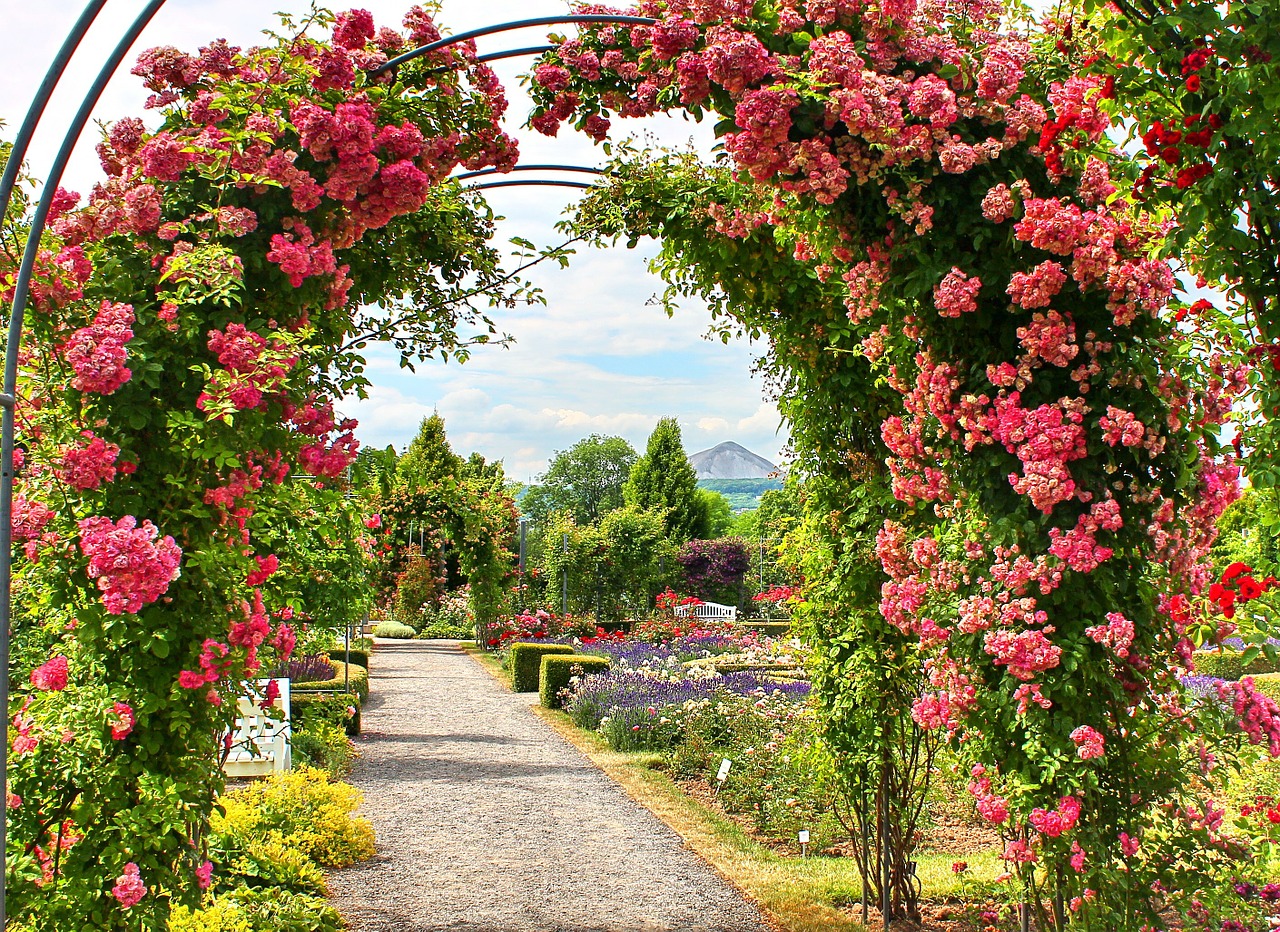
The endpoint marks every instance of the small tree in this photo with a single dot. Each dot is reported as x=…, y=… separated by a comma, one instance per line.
x=585, y=481
x=663, y=478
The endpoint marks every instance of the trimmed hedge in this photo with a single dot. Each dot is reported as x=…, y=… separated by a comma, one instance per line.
x=393, y=629
x=526, y=664
x=359, y=658
x=1230, y=665
x=1268, y=684
x=359, y=680
x=558, y=669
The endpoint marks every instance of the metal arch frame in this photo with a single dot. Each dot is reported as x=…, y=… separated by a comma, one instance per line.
x=22, y=285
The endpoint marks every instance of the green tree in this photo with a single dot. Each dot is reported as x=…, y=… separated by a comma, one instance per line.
x=663, y=478
x=718, y=511
x=429, y=457
x=584, y=481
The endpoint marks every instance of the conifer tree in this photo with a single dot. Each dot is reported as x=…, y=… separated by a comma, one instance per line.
x=664, y=479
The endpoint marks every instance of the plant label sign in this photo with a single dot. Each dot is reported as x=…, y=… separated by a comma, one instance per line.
x=804, y=836
x=723, y=773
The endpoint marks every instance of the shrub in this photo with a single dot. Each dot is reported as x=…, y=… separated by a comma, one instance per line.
x=258, y=910
x=313, y=668
x=392, y=629
x=558, y=669
x=339, y=709
x=1229, y=664
x=1268, y=684
x=359, y=680
x=526, y=664
x=325, y=746
x=360, y=657
x=302, y=809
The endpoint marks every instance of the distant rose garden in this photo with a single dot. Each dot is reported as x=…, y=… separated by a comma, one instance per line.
x=1005, y=642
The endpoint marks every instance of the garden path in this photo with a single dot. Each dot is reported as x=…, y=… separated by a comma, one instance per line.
x=489, y=821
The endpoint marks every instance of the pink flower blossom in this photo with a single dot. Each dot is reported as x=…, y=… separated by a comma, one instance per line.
x=121, y=720
x=1089, y=743
x=204, y=875
x=1039, y=286
x=1117, y=634
x=129, y=889
x=1025, y=654
x=956, y=294
x=89, y=465
x=131, y=566
x=51, y=675
x=997, y=204
x=96, y=354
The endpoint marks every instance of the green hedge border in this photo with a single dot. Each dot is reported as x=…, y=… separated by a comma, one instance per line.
x=526, y=664
x=558, y=669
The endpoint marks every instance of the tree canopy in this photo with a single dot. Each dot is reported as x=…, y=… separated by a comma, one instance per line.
x=664, y=479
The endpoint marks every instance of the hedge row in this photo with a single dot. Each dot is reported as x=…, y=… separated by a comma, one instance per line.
x=558, y=669
x=526, y=664
x=1230, y=665
x=359, y=680
x=359, y=657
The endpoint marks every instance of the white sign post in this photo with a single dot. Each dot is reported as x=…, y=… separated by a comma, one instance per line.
x=804, y=842
x=723, y=773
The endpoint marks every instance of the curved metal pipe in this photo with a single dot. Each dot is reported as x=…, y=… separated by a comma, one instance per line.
x=20, y=142
x=516, y=53
x=532, y=182
x=528, y=168
x=507, y=27
x=21, y=290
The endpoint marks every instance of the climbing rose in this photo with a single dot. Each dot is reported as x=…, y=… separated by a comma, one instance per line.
x=122, y=720
x=129, y=888
x=204, y=875
x=51, y=675
x=132, y=568
x=1088, y=742
x=96, y=354
x=87, y=467
x=956, y=294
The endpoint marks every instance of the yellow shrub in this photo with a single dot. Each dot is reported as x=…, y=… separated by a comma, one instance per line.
x=218, y=916
x=302, y=809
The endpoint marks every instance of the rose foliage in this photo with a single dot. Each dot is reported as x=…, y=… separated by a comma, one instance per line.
x=193, y=322
x=1051, y=438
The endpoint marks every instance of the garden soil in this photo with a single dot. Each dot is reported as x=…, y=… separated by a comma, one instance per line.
x=488, y=821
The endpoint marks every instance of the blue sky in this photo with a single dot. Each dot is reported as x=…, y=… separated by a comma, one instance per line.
x=599, y=358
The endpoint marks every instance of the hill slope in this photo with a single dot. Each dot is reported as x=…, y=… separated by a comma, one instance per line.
x=730, y=460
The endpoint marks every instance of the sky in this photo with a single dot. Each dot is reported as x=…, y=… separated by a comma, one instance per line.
x=598, y=358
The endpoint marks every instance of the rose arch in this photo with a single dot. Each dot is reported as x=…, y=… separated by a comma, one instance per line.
x=1013, y=456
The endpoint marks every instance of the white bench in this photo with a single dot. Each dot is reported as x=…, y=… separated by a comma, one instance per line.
x=712, y=610
x=260, y=744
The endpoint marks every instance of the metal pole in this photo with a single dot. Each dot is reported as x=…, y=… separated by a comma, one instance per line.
x=21, y=141
x=346, y=672
x=524, y=527
x=886, y=899
x=8, y=399
x=507, y=27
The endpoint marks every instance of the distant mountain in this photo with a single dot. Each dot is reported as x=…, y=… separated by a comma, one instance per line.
x=730, y=460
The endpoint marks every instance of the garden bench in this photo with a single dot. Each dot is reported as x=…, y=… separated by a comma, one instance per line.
x=260, y=743
x=710, y=610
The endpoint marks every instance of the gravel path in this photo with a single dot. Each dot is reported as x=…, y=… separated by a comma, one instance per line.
x=489, y=821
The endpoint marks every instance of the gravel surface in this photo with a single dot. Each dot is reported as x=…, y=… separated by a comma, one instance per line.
x=489, y=821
